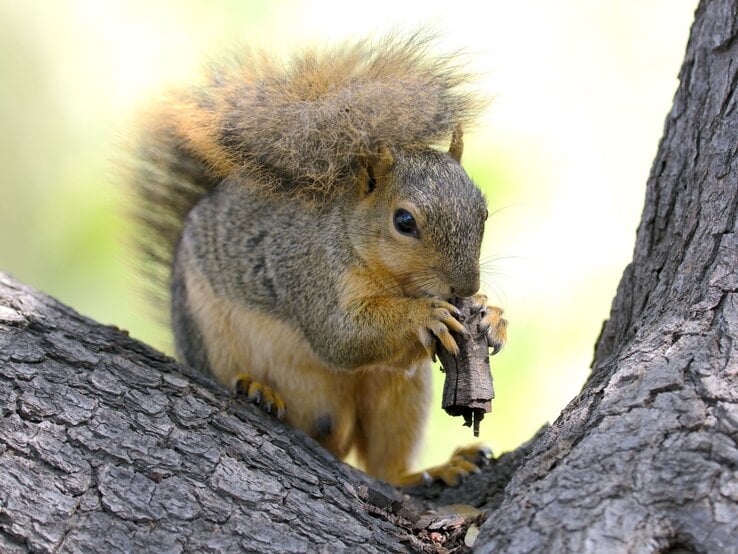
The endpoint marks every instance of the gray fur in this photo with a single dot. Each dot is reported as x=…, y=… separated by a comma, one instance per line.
x=285, y=136
x=441, y=189
x=188, y=340
x=286, y=258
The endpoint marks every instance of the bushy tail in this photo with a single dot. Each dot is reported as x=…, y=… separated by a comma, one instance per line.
x=295, y=127
x=167, y=179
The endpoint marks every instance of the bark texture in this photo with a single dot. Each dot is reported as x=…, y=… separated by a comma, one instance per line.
x=109, y=446
x=106, y=445
x=645, y=459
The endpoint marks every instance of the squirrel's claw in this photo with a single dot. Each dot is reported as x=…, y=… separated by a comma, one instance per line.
x=479, y=454
x=438, y=324
x=492, y=323
x=441, y=332
x=261, y=395
x=453, y=472
x=465, y=461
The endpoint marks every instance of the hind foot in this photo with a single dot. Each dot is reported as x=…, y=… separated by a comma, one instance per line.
x=263, y=396
x=464, y=461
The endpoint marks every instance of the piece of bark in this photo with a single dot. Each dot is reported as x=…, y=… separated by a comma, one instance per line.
x=468, y=389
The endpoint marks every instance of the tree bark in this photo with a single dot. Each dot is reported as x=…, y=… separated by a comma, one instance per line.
x=645, y=458
x=107, y=445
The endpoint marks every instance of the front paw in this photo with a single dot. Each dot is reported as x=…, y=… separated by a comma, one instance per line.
x=435, y=319
x=492, y=323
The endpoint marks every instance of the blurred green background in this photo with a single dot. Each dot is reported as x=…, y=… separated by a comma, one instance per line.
x=580, y=88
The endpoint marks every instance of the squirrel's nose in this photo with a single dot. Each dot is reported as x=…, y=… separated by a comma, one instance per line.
x=466, y=287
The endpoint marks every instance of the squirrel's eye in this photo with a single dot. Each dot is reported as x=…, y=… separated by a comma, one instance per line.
x=405, y=223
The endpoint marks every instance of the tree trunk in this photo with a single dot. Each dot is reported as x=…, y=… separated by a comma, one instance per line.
x=646, y=457
x=107, y=445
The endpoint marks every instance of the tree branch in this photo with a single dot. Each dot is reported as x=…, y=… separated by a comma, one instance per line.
x=107, y=445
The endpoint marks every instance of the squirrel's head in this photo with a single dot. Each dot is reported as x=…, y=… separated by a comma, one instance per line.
x=420, y=218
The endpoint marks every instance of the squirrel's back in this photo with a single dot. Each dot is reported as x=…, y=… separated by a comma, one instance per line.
x=295, y=128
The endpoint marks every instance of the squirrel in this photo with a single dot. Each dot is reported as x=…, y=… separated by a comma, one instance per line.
x=310, y=235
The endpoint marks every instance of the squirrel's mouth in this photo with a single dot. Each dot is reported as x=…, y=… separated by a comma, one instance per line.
x=425, y=285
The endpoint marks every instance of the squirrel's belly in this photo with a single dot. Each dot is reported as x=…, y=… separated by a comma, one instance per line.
x=245, y=342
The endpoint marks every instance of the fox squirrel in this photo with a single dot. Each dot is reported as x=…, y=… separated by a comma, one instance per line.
x=310, y=236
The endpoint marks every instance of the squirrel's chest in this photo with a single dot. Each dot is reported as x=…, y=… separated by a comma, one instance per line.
x=326, y=403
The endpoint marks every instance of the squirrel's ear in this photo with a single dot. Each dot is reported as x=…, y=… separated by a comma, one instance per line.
x=376, y=168
x=457, y=144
